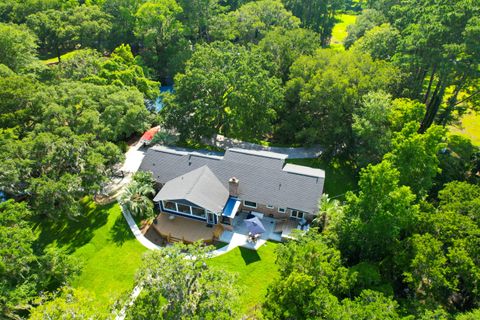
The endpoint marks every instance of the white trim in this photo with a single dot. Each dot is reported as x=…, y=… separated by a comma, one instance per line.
x=282, y=210
x=269, y=206
x=297, y=213
x=246, y=205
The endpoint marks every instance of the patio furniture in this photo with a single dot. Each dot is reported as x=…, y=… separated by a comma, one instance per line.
x=257, y=214
x=254, y=225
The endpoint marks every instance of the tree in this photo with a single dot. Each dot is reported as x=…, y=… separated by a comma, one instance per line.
x=69, y=304
x=370, y=305
x=330, y=213
x=322, y=93
x=371, y=128
x=252, y=21
x=135, y=199
x=456, y=161
x=318, y=15
x=379, y=42
x=461, y=197
x=177, y=286
x=225, y=90
x=62, y=30
x=121, y=69
x=368, y=19
x=310, y=255
x=123, y=21
x=428, y=274
x=416, y=156
x=379, y=216
x=198, y=15
x=157, y=26
x=18, y=46
x=282, y=47
x=437, y=46
x=24, y=271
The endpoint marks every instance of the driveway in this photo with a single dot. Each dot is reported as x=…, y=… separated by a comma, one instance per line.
x=133, y=158
x=293, y=153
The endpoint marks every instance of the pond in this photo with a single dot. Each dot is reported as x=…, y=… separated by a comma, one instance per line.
x=2, y=197
x=159, y=103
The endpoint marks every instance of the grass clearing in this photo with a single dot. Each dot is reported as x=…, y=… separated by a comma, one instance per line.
x=339, y=32
x=339, y=177
x=65, y=56
x=469, y=127
x=255, y=271
x=103, y=242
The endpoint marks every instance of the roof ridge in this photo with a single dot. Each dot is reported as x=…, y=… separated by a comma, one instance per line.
x=197, y=180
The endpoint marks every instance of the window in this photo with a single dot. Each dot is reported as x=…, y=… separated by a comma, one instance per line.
x=281, y=210
x=183, y=208
x=296, y=214
x=250, y=204
x=199, y=212
x=269, y=206
x=170, y=205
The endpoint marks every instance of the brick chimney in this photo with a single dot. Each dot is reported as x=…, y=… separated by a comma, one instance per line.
x=233, y=186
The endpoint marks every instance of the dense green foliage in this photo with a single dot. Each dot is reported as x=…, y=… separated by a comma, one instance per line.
x=78, y=79
x=178, y=284
x=26, y=272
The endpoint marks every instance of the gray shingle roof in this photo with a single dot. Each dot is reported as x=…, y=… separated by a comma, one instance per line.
x=200, y=187
x=263, y=178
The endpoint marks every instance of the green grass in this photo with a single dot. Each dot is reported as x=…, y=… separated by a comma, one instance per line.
x=469, y=127
x=65, y=56
x=339, y=177
x=103, y=242
x=110, y=256
x=339, y=32
x=255, y=270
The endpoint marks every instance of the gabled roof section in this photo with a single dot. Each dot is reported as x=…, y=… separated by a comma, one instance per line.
x=303, y=170
x=266, y=159
x=200, y=187
x=263, y=176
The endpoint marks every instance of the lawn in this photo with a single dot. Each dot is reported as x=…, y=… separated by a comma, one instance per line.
x=339, y=32
x=255, y=270
x=110, y=256
x=339, y=177
x=469, y=127
x=62, y=57
x=107, y=249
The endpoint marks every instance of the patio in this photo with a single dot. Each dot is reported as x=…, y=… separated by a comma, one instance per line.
x=179, y=229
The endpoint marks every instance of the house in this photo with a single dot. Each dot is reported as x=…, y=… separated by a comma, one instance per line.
x=214, y=189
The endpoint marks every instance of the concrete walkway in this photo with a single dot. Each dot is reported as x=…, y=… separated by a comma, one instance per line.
x=233, y=239
x=137, y=233
x=293, y=153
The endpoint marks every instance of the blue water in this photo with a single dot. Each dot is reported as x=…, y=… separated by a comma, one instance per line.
x=159, y=102
x=2, y=197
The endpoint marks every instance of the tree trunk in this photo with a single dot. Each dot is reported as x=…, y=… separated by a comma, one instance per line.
x=433, y=105
x=452, y=102
x=430, y=82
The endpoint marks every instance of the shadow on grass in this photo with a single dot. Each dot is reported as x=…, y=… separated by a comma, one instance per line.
x=120, y=231
x=249, y=256
x=71, y=234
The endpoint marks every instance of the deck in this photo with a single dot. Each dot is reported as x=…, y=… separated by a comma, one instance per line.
x=185, y=229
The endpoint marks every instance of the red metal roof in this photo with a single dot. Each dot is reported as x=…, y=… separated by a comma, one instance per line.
x=148, y=135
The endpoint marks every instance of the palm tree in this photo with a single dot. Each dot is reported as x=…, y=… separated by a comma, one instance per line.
x=329, y=209
x=135, y=199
